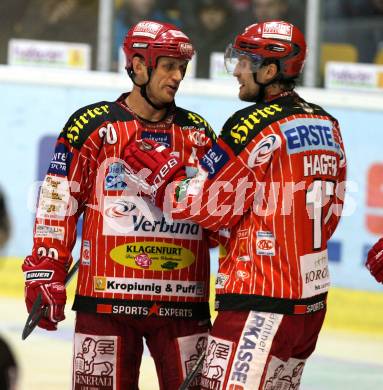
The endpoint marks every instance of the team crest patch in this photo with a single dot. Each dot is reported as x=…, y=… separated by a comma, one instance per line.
x=265, y=244
x=190, y=349
x=284, y=375
x=95, y=363
x=214, y=367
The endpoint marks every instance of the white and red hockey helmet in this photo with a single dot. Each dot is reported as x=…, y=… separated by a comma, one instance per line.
x=277, y=40
x=151, y=40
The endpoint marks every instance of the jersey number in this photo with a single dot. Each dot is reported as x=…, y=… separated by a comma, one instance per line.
x=50, y=252
x=110, y=134
x=317, y=194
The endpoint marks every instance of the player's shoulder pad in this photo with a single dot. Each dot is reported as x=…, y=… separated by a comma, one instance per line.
x=89, y=118
x=245, y=124
x=188, y=119
x=297, y=105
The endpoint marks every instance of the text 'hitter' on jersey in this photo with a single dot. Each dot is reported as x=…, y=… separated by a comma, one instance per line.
x=134, y=261
x=278, y=171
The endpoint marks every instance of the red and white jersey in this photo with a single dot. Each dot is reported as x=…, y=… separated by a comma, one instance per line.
x=275, y=181
x=133, y=261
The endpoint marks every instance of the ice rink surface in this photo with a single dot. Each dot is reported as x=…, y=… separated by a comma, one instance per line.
x=342, y=360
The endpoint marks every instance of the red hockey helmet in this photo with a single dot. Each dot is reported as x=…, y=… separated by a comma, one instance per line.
x=151, y=40
x=277, y=40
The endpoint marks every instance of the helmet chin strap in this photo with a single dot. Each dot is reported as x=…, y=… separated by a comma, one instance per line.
x=262, y=88
x=143, y=90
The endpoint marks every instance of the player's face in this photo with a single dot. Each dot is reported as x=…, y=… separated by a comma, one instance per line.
x=166, y=79
x=243, y=71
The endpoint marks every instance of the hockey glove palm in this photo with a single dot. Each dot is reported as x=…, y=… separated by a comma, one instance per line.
x=46, y=276
x=163, y=166
x=375, y=261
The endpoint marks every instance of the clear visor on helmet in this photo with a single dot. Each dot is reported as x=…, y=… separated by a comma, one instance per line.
x=245, y=61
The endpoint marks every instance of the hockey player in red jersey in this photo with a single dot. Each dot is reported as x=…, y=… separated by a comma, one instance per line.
x=140, y=275
x=374, y=261
x=274, y=182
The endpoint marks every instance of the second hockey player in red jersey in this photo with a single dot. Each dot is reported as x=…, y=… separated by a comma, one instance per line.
x=374, y=261
x=275, y=182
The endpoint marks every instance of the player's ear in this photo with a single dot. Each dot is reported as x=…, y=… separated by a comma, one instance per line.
x=271, y=71
x=139, y=69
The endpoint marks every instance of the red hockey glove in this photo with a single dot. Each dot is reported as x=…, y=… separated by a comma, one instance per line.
x=46, y=276
x=375, y=261
x=164, y=167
